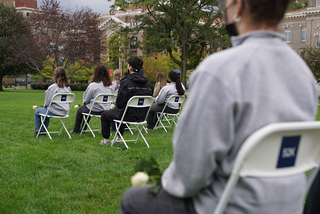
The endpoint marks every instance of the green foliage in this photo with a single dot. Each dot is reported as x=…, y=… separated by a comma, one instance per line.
x=311, y=55
x=73, y=86
x=192, y=27
x=297, y=5
x=12, y=25
x=161, y=62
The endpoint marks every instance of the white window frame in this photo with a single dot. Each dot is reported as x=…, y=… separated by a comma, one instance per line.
x=287, y=34
x=303, y=33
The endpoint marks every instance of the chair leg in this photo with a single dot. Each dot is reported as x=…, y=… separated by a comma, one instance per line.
x=42, y=124
x=118, y=133
x=86, y=124
x=140, y=133
x=63, y=126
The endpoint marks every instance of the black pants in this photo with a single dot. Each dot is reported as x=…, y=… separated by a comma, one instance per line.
x=77, y=127
x=312, y=205
x=106, y=118
x=152, y=117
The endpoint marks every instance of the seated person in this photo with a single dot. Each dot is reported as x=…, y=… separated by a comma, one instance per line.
x=134, y=84
x=161, y=82
x=174, y=87
x=61, y=85
x=100, y=83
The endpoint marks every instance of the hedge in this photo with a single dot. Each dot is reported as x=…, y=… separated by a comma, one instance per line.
x=73, y=86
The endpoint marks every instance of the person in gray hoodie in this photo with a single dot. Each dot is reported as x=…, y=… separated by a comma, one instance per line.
x=61, y=85
x=233, y=93
x=100, y=83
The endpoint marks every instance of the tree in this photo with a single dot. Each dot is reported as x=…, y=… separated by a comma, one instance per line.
x=67, y=37
x=192, y=27
x=12, y=25
x=297, y=5
x=311, y=55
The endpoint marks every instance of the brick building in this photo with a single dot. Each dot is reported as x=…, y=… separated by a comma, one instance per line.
x=126, y=19
x=302, y=27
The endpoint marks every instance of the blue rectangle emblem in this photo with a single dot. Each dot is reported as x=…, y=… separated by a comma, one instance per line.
x=105, y=98
x=288, y=152
x=63, y=97
x=176, y=99
x=141, y=102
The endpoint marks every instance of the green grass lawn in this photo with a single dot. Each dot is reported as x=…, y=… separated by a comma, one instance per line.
x=62, y=175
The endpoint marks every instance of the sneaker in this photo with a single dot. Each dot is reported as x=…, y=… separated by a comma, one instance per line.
x=74, y=132
x=41, y=133
x=105, y=142
x=118, y=140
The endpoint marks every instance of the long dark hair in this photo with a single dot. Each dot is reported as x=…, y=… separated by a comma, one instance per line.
x=175, y=78
x=101, y=74
x=60, y=77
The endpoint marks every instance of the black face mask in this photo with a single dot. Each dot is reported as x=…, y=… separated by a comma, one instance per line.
x=168, y=81
x=231, y=29
x=128, y=71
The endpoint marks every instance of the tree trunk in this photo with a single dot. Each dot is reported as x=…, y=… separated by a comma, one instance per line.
x=1, y=89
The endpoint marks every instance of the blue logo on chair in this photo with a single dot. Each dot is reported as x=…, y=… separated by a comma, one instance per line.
x=105, y=98
x=141, y=102
x=63, y=97
x=176, y=99
x=288, y=151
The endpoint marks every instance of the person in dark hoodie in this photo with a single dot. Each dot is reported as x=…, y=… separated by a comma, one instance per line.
x=131, y=85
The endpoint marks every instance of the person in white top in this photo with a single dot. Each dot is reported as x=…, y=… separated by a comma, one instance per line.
x=100, y=83
x=174, y=87
x=61, y=85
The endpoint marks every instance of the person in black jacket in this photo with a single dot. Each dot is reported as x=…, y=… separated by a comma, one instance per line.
x=131, y=85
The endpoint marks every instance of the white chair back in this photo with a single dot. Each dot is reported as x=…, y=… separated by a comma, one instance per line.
x=176, y=99
x=104, y=98
x=276, y=150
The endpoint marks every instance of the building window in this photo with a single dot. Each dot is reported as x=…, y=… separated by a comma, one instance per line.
x=133, y=42
x=287, y=34
x=303, y=34
x=317, y=41
x=318, y=3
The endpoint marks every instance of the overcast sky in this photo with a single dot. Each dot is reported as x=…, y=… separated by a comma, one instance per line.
x=99, y=6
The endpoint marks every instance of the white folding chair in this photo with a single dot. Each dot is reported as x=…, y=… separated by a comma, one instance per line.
x=170, y=118
x=101, y=99
x=61, y=98
x=276, y=150
x=134, y=102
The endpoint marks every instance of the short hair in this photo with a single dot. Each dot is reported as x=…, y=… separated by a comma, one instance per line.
x=136, y=63
x=269, y=12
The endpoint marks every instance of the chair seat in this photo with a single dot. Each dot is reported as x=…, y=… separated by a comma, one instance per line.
x=133, y=123
x=55, y=116
x=103, y=98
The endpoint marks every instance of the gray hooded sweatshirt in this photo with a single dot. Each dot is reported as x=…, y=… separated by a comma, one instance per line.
x=56, y=108
x=259, y=81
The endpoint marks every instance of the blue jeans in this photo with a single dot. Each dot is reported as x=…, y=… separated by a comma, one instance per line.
x=37, y=120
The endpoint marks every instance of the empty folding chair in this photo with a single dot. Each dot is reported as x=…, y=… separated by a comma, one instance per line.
x=99, y=99
x=276, y=150
x=134, y=102
x=62, y=98
x=170, y=118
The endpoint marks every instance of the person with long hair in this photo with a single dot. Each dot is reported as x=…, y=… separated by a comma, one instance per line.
x=60, y=85
x=259, y=81
x=174, y=87
x=161, y=82
x=100, y=83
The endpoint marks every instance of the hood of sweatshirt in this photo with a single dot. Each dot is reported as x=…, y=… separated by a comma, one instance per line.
x=136, y=77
